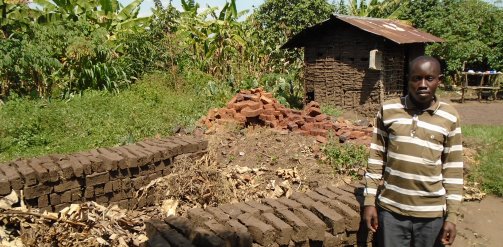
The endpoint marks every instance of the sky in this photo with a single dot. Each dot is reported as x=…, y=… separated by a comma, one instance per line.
x=147, y=5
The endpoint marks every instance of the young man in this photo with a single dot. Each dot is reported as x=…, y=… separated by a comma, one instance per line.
x=415, y=168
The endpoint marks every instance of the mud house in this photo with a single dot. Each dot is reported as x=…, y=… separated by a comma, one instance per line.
x=355, y=63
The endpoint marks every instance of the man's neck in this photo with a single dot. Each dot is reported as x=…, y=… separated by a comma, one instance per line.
x=422, y=106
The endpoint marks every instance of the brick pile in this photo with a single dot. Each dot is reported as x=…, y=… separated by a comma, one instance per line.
x=327, y=216
x=104, y=175
x=256, y=106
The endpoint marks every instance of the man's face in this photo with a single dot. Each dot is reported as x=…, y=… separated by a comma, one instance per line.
x=423, y=81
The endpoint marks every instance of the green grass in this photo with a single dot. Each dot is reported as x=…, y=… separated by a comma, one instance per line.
x=346, y=158
x=97, y=119
x=490, y=170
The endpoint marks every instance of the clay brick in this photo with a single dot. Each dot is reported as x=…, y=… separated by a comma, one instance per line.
x=41, y=173
x=66, y=169
x=97, y=164
x=78, y=168
x=263, y=208
x=248, y=112
x=53, y=171
x=333, y=220
x=97, y=178
x=89, y=192
x=27, y=173
x=115, y=159
x=261, y=232
x=130, y=160
x=116, y=185
x=66, y=185
x=274, y=203
x=166, y=149
x=174, y=238
x=228, y=237
x=181, y=224
x=76, y=195
x=247, y=208
x=99, y=190
x=291, y=204
x=313, y=222
x=138, y=182
x=108, y=187
x=84, y=161
x=313, y=111
x=36, y=190
x=175, y=149
x=219, y=215
x=318, y=132
x=302, y=199
x=12, y=175
x=101, y=199
x=203, y=237
x=352, y=218
x=301, y=229
x=199, y=216
x=142, y=156
x=292, y=126
x=317, y=197
x=243, y=237
x=4, y=184
x=230, y=209
x=266, y=117
x=66, y=197
x=327, y=193
x=284, y=231
x=321, y=117
x=247, y=104
x=331, y=240
x=54, y=198
x=159, y=153
x=43, y=201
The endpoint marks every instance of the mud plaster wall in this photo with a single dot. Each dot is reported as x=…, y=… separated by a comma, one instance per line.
x=336, y=70
x=104, y=175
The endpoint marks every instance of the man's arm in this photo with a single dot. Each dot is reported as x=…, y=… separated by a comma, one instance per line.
x=373, y=175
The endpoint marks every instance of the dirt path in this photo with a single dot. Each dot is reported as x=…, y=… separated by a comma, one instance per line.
x=483, y=113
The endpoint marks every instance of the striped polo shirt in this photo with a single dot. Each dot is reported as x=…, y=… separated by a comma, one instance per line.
x=418, y=156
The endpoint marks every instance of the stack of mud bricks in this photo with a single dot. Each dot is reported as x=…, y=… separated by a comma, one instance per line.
x=104, y=175
x=327, y=216
x=259, y=107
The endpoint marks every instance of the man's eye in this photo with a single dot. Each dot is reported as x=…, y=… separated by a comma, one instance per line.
x=430, y=78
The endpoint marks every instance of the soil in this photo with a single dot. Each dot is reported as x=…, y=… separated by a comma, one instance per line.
x=482, y=113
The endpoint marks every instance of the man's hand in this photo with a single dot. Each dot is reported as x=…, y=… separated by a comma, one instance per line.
x=448, y=233
x=370, y=217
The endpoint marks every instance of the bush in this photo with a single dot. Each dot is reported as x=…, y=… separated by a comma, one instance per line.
x=346, y=158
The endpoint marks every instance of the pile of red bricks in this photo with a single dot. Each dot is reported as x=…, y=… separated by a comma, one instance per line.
x=328, y=216
x=104, y=175
x=259, y=107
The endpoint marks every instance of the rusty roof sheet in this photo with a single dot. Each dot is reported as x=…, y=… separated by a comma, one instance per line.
x=394, y=30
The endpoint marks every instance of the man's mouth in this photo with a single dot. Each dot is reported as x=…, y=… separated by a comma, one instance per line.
x=423, y=93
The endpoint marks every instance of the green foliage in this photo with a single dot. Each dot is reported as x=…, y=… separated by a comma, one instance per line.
x=346, y=158
x=490, y=170
x=98, y=118
x=331, y=110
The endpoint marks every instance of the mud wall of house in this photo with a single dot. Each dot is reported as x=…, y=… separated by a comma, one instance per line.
x=105, y=175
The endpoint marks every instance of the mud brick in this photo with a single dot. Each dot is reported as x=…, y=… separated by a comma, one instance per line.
x=89, y=192
x=116, y=185
x=97, y=178
x=199, y=143
x=219, y=215
x=41, y=173
x=175, y=149
x=331, y=240
x=174, y=238
x=156, y=240
x=76, y=195
x=43, y=201
x=36, y=190
x=263, y=208
x=306, y=201
x=153, y=154
x=101, y=199
x=230, y=209
x=4, y=184
x=108, y=187
x=289, y=203
x=142, y=157
x=186, y=146
x=12, y=175
x=83, y=161
x=301, y=229
x=66, y=197
x=66, y=169
x=53, y=171
x=120, y=173
x=339, y=191
x=160, y=165
x=352, y=218
x=60, y=207
x=313, y=222
x=181, y=224
x=118, y=196
x=127, y=183
x=99, y=190
x=199, y=216
x=27, y=173
x=247, y=208
x=284, y=231
x=333, y=219
x=228, y=237
x=97, y=164
x=130, y=159
x=248, y=112
x=327, y=193
x=243, y=237
x=274, y=203
x=167, y=152
x=54, y=198
x=261, y=232
x=78, y=168
x=203, y=237
x=115, y=159
x=138, y=182
x=123, y=204
x=154, y=176
x=66, y=185
x=159, y=153
x=317, y=197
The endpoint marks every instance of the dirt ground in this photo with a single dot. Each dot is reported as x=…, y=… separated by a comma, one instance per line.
x=483, y=113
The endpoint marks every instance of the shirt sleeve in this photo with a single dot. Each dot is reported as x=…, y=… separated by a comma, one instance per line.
x=452, y=171
x=376, y=161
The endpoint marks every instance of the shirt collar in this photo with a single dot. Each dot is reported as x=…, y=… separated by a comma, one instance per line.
x=409, y=104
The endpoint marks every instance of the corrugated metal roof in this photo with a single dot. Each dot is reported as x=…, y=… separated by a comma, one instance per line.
x=394, y=30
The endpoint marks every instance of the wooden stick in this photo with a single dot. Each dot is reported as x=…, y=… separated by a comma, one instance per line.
x=14, y=212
